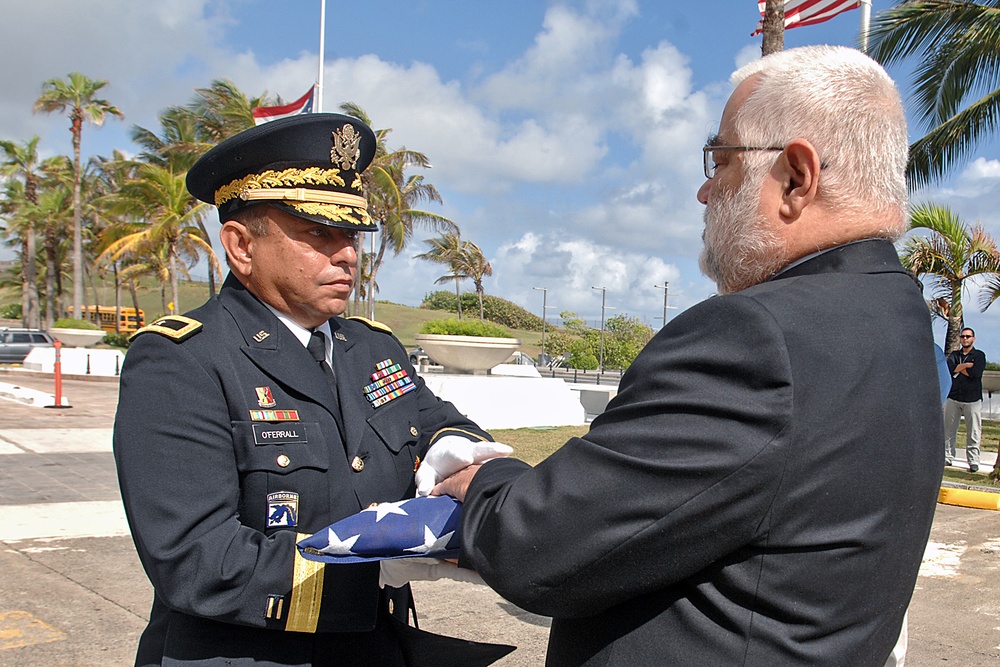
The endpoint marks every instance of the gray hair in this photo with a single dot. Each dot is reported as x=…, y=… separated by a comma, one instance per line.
x=848, y=107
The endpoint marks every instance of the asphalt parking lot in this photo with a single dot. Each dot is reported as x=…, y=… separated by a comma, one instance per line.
x=73, y=592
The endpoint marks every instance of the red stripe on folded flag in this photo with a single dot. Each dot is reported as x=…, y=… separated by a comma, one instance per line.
x=800, y=13
x=302, y=105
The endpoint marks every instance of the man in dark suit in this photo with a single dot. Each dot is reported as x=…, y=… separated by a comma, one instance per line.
x=262, y=417
x=761, y=489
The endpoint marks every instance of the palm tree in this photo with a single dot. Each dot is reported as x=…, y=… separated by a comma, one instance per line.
x=774, y=27
x=21, y=163
x=956, y=81
x=76, y=95
x=448, y=249
x=170, y=230
x=476, y=266
x=393, y=195
x=952, y=254
x=54, y=214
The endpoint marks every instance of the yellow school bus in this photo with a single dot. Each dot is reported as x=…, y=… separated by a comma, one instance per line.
x=104, y=316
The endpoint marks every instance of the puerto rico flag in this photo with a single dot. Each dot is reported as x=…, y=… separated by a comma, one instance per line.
x=800, y=13
x=425, y=527
x=302, y=105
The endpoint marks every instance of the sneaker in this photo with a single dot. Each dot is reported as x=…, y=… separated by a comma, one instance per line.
x=947, y=462
x=973, y=468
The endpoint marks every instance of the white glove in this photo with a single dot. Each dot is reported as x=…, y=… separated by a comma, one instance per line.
x=451, y=454
x=397, y=572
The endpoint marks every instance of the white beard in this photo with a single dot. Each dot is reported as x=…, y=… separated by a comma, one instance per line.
x=741, y=249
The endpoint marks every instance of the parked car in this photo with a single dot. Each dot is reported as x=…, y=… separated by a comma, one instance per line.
x=15, y=344
x=418, y=356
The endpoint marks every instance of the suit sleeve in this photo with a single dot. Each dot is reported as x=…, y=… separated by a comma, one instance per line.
x=177, y=468
x=677, y=473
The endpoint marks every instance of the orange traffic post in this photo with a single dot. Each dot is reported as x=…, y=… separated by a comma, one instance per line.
x=58, y=373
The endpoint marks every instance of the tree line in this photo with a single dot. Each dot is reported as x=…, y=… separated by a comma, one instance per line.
x=133, y=216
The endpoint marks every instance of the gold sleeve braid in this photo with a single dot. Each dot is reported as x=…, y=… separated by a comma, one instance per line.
x=307, y=592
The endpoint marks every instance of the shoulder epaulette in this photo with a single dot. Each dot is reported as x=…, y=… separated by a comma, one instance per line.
x=176, y=327
x=372, y=324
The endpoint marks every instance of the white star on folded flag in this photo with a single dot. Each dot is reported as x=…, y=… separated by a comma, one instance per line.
x=432, y=542
x=338, y=547
x=382, y=509
x=427, y=526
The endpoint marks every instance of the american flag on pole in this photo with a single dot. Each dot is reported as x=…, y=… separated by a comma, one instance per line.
x=425, y=527
x=799, y=13
x=302, y=105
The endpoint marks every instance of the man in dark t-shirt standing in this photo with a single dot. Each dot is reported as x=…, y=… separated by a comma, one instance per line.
x=965, y=399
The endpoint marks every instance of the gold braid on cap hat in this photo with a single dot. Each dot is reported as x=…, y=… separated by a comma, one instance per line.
x=276, y=179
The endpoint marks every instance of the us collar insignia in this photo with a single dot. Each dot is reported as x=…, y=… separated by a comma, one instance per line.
x=282, y=509
x=345, y=151
x=260, y=335
x=274, y=415
x=389, y=382
x=339, y=336
x=264, y=397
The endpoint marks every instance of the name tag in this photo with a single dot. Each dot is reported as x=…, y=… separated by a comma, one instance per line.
x=288, y=433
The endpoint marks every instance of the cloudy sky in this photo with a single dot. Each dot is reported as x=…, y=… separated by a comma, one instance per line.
x=565, y=136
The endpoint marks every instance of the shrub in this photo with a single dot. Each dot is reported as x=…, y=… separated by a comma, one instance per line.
x=495, y=309
x=11, y=311
x=452, y=327
x=117, y=340
x=70, y=323
x=440, y=300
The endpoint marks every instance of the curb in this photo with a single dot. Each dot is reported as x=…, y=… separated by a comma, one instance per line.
x=975, y=497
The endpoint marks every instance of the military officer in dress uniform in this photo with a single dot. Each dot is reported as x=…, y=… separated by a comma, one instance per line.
x=263, y=416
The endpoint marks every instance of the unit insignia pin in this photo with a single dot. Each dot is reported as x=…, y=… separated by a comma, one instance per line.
x=264, y=397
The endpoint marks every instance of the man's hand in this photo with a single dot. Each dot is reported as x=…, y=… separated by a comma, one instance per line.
x=452, y=453
x=456, y=485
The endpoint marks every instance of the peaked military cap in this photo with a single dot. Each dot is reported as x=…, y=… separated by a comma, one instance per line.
x=308, y=166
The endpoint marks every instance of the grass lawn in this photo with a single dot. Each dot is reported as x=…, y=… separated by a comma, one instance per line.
x=531, y=445
x=987, y=443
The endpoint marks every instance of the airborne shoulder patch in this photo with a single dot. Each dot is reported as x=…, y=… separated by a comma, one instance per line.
x=176, y=327
x=372, y=324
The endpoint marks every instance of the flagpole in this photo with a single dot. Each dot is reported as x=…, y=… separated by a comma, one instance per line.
x=866, y=14
x=322, y=39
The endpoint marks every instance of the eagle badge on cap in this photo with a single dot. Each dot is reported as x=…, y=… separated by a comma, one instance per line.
x=345, y=151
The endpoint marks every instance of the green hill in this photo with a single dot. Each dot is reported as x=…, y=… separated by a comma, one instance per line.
x=404, y=321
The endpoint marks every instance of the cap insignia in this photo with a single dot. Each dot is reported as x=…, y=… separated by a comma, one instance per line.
x=345, y=151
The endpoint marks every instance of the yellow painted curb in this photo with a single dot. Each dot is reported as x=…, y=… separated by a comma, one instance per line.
x=984, y=500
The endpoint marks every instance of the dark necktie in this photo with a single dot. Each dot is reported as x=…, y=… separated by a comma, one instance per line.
x=317, y=348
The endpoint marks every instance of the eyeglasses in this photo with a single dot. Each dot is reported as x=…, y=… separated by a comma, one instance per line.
x=966, y=336
x=709, y=154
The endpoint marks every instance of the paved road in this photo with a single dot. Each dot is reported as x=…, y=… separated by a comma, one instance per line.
x=73, y=593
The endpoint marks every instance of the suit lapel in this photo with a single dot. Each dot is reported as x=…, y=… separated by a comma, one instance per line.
x=351, y=359
x=275, y=350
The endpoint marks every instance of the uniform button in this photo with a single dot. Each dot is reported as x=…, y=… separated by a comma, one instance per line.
x=357, y=464
x=283, y=461
x=414, y=431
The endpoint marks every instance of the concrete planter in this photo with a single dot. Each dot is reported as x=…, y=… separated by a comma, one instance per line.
x=991, y=381
x=467, y=354
x=77, y=337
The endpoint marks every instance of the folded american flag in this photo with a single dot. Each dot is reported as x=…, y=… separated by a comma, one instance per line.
x=427, y=527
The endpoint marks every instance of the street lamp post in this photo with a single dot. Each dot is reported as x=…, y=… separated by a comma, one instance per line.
x=604, y=294
x=545, y=294
x=666, y=289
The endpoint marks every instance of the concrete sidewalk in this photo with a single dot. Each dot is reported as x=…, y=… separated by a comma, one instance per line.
x=73, y=592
